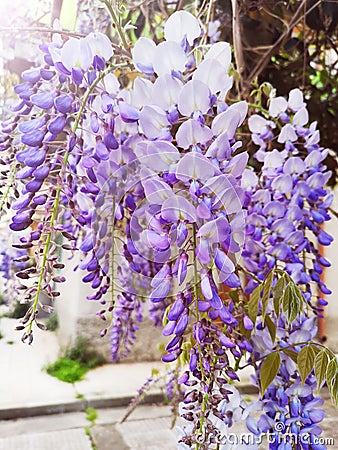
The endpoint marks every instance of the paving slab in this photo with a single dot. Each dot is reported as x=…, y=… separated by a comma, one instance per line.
x=106, y=437
x=75, y=439
x=147, y=428
x=26, y=389
x=149, y=434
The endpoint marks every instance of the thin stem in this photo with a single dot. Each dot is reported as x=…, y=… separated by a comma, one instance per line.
x=44, y=260
x=207, y=20
x=112, y=301
x=117, y=25
x=42, y=30
x=250, y=274
x=179, y=5
x=280, y=349
x=203, y=409
x=262, y=63
x=237, y=37
x=196, y=281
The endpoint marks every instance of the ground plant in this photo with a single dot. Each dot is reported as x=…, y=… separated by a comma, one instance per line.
x=75, y=361
x=131, y=151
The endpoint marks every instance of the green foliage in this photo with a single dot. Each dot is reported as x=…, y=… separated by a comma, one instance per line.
x=91, y=415
x=277, y=294
x=332, y=379
x=83, y=353
x=253, y=305
x=291, y=354
x=66, y=370
x=311, y=357
x=286, y=297
x=75, y=361
x=269, y=370
x=52, y=323
x=271, y=327
x=305, y=361
x=266, y=292
x=286, y=294
x=321, y=363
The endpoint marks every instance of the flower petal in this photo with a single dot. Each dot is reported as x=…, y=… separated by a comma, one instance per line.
x=182, y=25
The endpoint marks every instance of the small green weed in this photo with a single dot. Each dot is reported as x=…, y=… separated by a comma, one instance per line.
x=84, y=354
x=66, y=370
x=91, y=415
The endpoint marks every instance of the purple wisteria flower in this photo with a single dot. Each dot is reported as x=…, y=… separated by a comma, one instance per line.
x=132, y=160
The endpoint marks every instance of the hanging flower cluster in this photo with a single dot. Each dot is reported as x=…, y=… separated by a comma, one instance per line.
x=287, y=204
x=12, y=262
x=148, y=181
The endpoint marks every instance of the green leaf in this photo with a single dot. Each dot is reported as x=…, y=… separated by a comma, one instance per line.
x=254, y=302
x=271, y=327
x=269, y=370
x=286, y=298
x=321, y=363
x=277, y=294
x=331, y=373
x=266, y=292
x=305, y=361
x=91, y=415
x=291, y=353
x=334, y=391
x=332, y=379
x=165, y=315
x=315, y=348
x=234, y=295
x=298, y=292
x=291, y=303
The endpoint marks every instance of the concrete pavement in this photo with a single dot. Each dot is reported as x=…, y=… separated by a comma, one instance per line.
x=26, y=390
x=147, y=428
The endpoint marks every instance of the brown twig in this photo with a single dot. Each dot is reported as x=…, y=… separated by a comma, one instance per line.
x=260, y=66
x=206, y=22
x=237, y=38
x=117, y=48
x=179, y=5
x=304, y=48
x=42, y=30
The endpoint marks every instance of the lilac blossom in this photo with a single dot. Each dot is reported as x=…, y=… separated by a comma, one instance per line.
x=151, y=186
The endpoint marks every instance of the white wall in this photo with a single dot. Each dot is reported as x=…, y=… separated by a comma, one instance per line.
x=72, y=302
x=331, y=277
